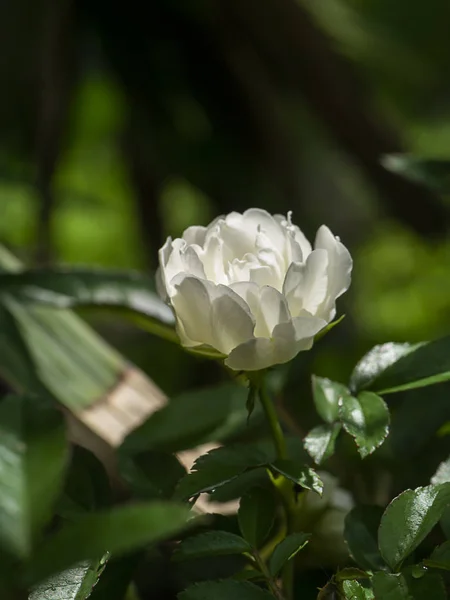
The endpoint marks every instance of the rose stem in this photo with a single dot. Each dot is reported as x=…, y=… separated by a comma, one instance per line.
x=286, y=492
x=272, y=418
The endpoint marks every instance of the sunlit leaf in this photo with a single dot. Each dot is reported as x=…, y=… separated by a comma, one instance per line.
x=375, y=362
x=326, y=394
x=353, y=590
x=320, y=441
x=425, y=364
x=299, y=474
x=408, y=519
x=366, y=418
x=75, y=583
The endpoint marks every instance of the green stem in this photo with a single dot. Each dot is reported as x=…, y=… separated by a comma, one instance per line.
x=265, y=571
x=285, y=489
x=272, y=419
x=287, y=578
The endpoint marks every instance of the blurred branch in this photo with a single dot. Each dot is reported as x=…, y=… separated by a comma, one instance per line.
x=147, y=183
x=261, y=102
x=55, y=73
x=286, y=35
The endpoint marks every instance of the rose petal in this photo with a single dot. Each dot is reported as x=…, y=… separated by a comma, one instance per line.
x=239, y=233
x=339, y=269
x=299, y=237
x=255, y=355
x=195, y=235
x=306, y=284
x=273, y=311
x=306, y=327
x=231, y=320
x=212, y=259
x=175, y=258
x=266, y=304
x=210, y=314
x=192, y=304
x=287, y=341
x=262, y=222
x=261, y=353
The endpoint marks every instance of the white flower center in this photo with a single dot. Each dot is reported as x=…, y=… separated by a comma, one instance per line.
x=235, y=252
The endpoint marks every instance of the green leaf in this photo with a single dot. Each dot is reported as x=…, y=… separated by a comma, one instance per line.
x=191, y=419
x=74, y=364
x=366, y=418
x=251, y=400
x=442, y=474
x=238, y=486
x=353, y=590
x=218, y=467
x=16, y=364
x=118, y=530
x=426, y=364
x=416, y=419
x=76, y=583
x=431, y=585
x=403, y=586
x=211, y=543
x=350, y=573
x=87, y=485
x=287, y=549
x=224, y=590
x=408, y=519
x=328, y=328
x=387, y=586
x=301, y=475
x=321, y=441
x=375, y=362
x=440, y=557
x=361, y=536
x=256, y=515
x=248, y=574
x=80, y=287
x=33, y=456
x=326, y=394
x=116, y=577
x=432, y=172
x=151, y=475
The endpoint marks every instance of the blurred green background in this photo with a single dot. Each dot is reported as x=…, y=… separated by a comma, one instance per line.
x=123, y=123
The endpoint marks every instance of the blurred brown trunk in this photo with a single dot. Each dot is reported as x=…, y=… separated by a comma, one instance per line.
x=55, y=81
x=262, y=105
x=146, y=181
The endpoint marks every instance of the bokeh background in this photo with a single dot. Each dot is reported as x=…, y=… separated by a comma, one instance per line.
x=122, y=123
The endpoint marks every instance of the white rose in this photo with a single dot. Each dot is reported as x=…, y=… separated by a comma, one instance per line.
x=250, y=287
